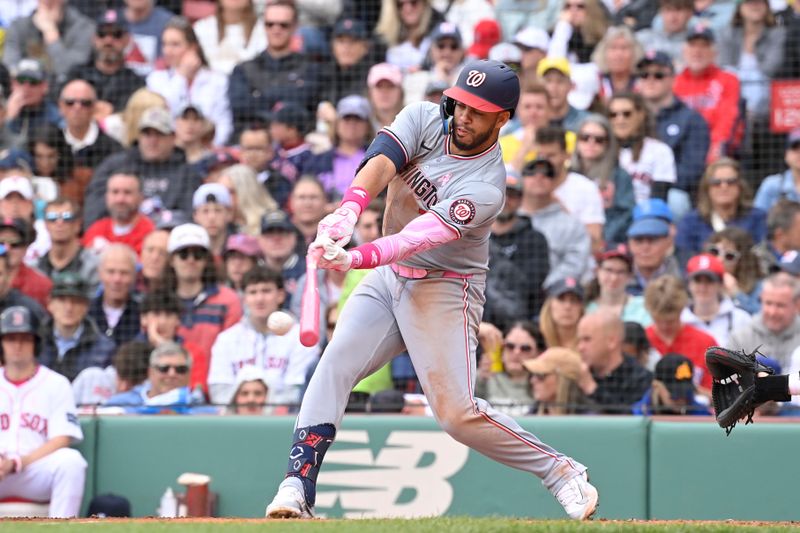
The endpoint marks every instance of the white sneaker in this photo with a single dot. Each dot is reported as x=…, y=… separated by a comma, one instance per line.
x=578, y=497
x=290, y=501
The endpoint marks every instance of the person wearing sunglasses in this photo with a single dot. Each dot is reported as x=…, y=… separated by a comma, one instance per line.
x=278, y=74
x=443, y=63
x=784, y=184
x=679, y=126
x=61, y=34
x=510, y=389
x=106, y=70
x=16, y=234
x=166, y=387
x=89, y=145
x=27, y=106
x=554, y=380
x=743, y=274
x=649, y=161
x=723, y=199
x=595, y=157
x=71, y=340
x=568, y=241
x=209, y=307
x=62, y=221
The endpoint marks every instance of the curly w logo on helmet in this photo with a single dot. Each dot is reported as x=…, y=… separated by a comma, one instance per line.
x=475, y=78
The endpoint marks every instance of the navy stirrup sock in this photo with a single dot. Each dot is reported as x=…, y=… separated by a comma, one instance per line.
x=305, y=457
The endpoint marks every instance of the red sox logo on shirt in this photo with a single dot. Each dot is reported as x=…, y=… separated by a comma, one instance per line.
x=462, y=211
x=34, y=422
x=475, y=78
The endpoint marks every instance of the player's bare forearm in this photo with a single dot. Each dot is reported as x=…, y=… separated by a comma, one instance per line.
x=375, y=175
x=56, y=443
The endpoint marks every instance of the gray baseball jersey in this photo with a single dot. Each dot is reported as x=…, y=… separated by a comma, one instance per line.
x=465, y=192
x=434, y=318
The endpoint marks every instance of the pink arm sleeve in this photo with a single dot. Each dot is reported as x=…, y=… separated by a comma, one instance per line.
x=422, y=233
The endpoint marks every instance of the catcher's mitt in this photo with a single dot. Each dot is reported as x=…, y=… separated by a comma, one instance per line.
x=733, y=390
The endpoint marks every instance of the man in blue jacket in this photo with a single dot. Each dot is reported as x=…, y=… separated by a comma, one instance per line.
x=71, y=340
x=682, y=128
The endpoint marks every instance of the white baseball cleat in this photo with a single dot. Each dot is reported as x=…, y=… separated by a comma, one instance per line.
x=290, y=501
x=578, y=497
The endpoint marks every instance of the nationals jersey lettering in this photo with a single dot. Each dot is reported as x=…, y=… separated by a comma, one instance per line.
x=35, y=411
x=465, y=192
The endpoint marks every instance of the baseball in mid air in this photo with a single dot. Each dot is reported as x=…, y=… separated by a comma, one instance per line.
x=280, y=322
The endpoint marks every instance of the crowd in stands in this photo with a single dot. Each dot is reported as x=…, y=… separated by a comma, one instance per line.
x=164, y=166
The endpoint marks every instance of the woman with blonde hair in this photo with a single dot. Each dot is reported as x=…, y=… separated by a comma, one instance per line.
x=561, y=312
x=404, y=26
x=231, y=35
x=554, y=380
x=580, y=27
x=616, y=56
x=723, y=199
x=251, y=201
x=124, y=127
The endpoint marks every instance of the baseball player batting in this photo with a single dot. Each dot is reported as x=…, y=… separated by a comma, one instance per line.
x=446, y=184
x=38, y=422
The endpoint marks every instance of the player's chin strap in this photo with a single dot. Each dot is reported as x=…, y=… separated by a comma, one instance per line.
x=305, y=457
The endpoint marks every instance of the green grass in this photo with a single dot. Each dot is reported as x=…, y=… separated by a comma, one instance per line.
x=427, y=525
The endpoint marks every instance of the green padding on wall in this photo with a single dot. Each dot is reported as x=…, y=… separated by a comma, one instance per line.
x=395, y=466
x=698, y=473
x=87, y=448
x=139, y=457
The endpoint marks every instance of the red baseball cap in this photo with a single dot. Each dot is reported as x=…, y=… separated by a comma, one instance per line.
x=705, y=265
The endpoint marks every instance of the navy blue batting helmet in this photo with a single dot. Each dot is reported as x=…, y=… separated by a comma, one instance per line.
x=18, y=319
x=486, y=85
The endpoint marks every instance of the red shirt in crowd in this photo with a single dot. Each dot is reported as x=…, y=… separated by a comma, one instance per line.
x=690, y=342
x=32, y=283
x=102, y=232
x=714, y=94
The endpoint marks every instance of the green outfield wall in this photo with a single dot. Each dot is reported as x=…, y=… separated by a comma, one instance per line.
x=406, y=466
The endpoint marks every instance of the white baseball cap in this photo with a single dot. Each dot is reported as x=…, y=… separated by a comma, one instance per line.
x=18, y=184
x=506, y=53
x=186, y=236
x=211, y=193
x=250, y=373
x=532, y=37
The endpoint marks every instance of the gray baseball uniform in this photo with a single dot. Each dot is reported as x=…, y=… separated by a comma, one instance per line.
x=436, y=317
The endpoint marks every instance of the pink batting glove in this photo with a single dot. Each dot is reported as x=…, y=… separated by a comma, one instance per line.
x=338, y=226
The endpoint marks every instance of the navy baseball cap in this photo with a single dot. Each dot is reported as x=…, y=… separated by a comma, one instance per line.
x=701, y=31
x=15, y=158
x=446, y=30
x=793, y=139
x=675, y=371
x=350, y=27
x=277, y=220
x=113, y=18
x=656, y=57
x=293, y=115
x=486, y=85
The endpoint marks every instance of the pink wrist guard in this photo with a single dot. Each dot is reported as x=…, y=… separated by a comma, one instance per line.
x=365, y=256
x=358, y=196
